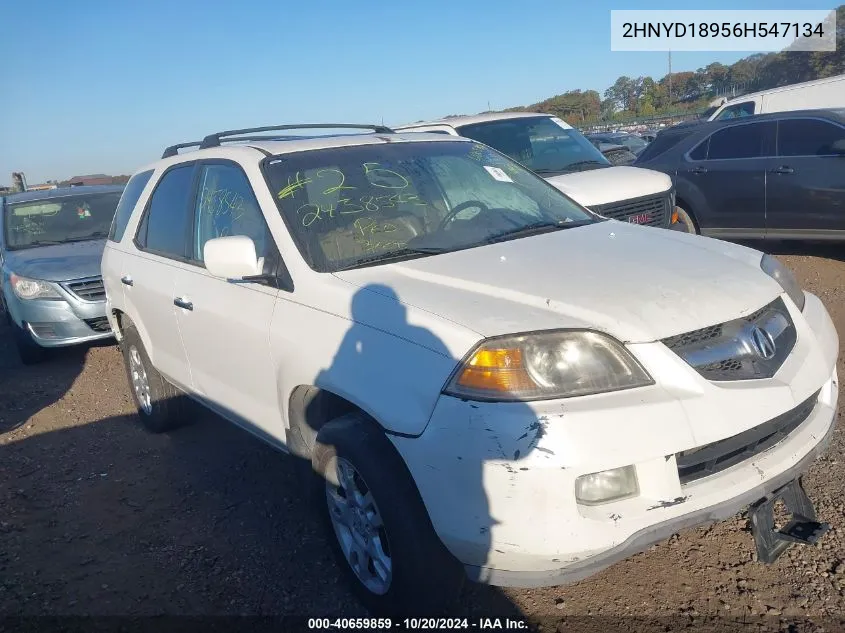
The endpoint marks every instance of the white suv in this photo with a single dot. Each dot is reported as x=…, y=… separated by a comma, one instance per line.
x=562, y=155
x=490, y=380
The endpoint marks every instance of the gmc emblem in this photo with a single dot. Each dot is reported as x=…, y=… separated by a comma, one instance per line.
x=640, y=218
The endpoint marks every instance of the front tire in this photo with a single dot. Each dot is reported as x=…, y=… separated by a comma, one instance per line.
x=160, y=405
x=29, y=351
x=377, y=523
x=685, y=218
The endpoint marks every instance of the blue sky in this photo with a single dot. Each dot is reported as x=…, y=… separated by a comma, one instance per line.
x=96, y=86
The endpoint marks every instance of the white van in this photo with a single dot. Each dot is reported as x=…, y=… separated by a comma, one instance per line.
x=810, y=95
x=560, y=154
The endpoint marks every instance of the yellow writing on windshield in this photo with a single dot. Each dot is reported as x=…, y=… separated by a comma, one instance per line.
x=292, y=187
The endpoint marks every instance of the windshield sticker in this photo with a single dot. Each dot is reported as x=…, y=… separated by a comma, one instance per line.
x=562, y=123
x=83, y=211
x=498, y=174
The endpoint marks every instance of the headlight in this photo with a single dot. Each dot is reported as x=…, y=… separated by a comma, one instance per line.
x=559, y=364
x=33, y=289
x=781, y=274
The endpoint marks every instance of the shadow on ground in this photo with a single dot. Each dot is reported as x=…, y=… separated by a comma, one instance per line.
x=102, y=518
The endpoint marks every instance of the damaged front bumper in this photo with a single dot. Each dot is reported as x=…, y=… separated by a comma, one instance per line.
x=498, y=479
x=646, y=537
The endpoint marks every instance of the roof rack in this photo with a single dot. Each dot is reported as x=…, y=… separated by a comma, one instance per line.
x=173, y=150
x=214, y=140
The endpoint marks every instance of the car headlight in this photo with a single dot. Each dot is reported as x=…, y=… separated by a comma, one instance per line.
x=558, y=364
x=33, y=288
x=781, y=274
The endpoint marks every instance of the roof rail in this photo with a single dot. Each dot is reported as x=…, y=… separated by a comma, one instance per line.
x=173, y=150
x=214, y=140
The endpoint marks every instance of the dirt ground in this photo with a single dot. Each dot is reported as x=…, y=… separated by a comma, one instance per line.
x=98, y=517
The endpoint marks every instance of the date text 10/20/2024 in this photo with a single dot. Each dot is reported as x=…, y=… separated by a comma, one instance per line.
x=422, y=624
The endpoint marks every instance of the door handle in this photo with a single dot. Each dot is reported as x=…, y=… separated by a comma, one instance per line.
x=126, y=280
x=698, y=170
x=783, y=169
x=183, y=303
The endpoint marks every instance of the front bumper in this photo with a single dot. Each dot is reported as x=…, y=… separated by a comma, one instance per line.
x=498, y=479
x=58, y=323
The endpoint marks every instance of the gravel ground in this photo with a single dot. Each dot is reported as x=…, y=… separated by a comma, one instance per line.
x=98, y=517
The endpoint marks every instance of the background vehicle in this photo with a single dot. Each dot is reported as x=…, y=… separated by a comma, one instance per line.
x=51, y=243
x=774, y=176
x=562, y=155
x=438, y=334
x=633, y=142
x=820, y=93
x=616, y=154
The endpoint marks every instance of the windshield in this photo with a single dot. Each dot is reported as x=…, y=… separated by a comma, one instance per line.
x=353, y=206
x=72, y=218
x=633, y=143
x=544, y=144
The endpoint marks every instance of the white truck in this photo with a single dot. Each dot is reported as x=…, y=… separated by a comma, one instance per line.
x=559, y=153
x=821, y=93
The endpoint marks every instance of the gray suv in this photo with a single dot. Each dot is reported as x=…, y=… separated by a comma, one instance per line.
x=51, y=244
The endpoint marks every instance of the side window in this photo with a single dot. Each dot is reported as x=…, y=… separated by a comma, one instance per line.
x=740, y=141
x=700, y=152
x=127, y=204
x=226, y=205
x=807, y=137
x=746, y=108
x=164, y=229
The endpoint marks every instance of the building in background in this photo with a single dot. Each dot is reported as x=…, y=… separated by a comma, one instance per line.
x=91, y=179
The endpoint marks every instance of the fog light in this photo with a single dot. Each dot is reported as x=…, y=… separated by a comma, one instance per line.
x=608, y=485
x=42, y=330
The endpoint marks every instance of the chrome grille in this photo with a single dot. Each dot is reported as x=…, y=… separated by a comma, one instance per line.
x=648, y=211
x=731, y=350
x=90, y=289
x=709, y=459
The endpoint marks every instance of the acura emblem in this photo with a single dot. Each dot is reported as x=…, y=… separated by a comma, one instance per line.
x=763, y=343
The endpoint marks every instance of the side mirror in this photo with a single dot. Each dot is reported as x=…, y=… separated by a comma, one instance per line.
x=231, y=257
x=838, y=147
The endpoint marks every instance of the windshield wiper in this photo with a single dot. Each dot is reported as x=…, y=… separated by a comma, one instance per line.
x=400, y=254
x=582, y=163
x=534, y=229
x=35, y=243
x=97, y=235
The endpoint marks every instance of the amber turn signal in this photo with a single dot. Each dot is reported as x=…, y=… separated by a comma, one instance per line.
x=496, y=369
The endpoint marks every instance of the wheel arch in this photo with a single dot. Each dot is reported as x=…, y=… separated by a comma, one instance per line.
x=125, y=321
x=310, y=408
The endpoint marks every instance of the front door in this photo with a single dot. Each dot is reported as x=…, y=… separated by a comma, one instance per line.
x=727, y=172
x=805, y=191
x=225, y=325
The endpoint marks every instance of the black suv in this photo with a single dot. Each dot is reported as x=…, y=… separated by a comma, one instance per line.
x=774, y=176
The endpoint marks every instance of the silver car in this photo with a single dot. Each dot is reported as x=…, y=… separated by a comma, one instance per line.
x=51, y=244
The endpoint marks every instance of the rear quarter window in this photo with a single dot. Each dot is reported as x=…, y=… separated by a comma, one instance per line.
x=127, y=203
x=660, y=145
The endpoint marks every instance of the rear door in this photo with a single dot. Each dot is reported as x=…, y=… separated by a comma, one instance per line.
x=805, y=192
x=149, y=271
x=225, y=325
x=727, y=174
x=113, y=255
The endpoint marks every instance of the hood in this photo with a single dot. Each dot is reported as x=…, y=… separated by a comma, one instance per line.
x=60, y=262
x=611, y=184
x=639, y=284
